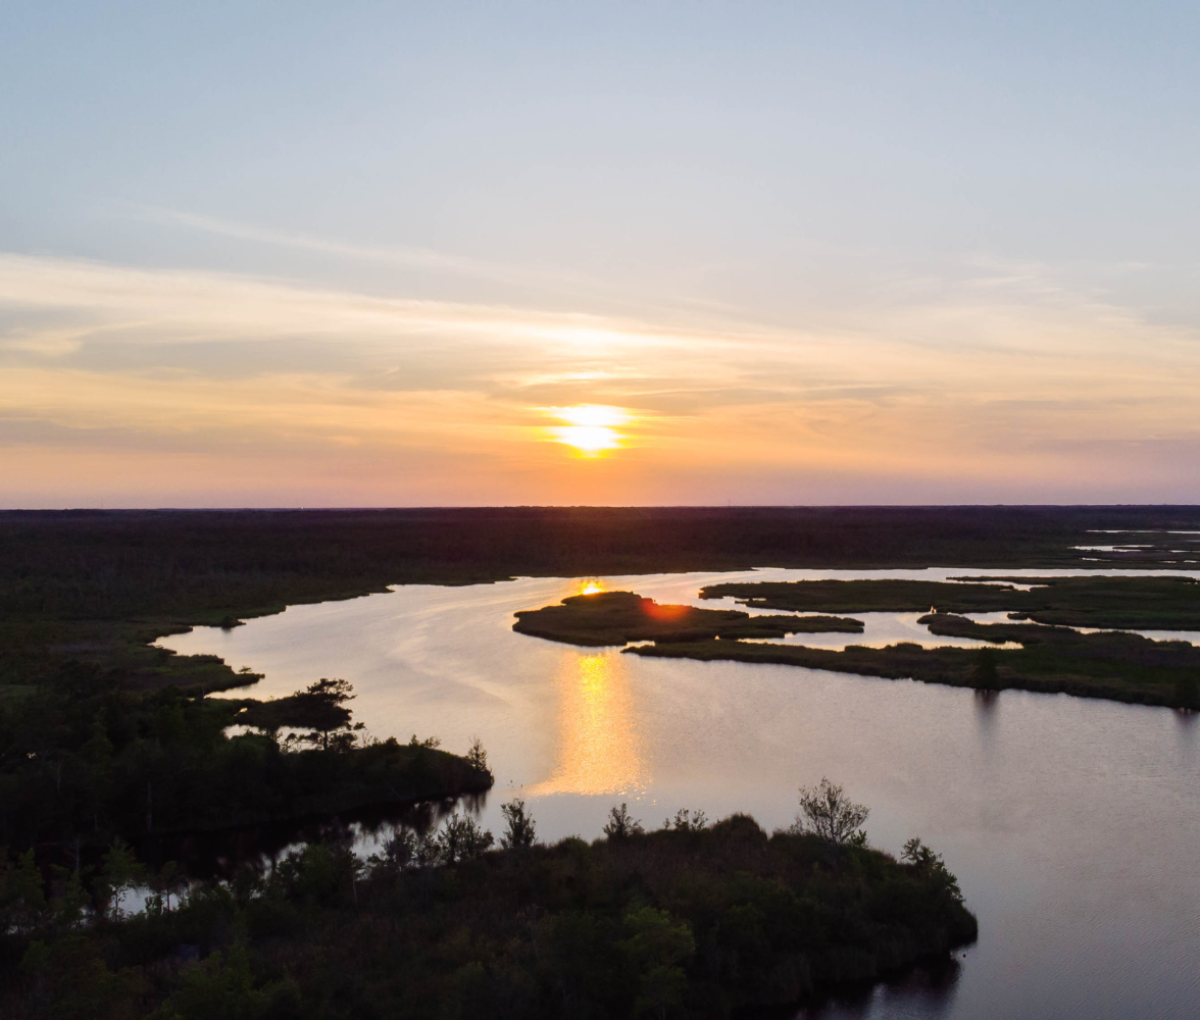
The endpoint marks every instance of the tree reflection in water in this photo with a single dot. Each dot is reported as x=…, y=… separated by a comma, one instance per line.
x=926, y=991
x=221, y=854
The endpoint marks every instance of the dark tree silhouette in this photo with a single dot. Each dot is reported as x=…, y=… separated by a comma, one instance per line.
x=325, y=712
x=826, y=812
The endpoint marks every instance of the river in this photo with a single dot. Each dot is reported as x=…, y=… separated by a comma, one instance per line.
x=1072, y=824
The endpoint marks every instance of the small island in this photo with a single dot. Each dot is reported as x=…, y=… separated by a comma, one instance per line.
x=618, y=617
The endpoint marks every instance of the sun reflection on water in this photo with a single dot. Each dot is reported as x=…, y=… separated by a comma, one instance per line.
x=599, y=750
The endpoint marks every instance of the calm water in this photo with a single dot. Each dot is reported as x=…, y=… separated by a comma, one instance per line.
x=1073, y=825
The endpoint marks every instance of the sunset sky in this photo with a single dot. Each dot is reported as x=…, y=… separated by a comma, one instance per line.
x=377, y=254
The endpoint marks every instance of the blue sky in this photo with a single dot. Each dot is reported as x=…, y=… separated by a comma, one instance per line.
x=361, y=253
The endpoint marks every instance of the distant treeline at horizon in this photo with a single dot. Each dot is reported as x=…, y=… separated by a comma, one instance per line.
x=401, y=542
x=97, y=586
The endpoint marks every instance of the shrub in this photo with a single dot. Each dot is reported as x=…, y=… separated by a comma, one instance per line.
x=461, y=839
x=477, y=756
x=826, y=812
x=620, y=825
x=521, y=830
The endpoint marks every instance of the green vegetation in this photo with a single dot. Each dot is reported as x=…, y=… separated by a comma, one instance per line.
x=618, y=617
x=84, y=759
x=1138, y=603
x=1120, y=667
x=692, y=920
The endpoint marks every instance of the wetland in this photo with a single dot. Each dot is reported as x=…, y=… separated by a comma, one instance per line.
x=1047, y=654
x=1068, y=822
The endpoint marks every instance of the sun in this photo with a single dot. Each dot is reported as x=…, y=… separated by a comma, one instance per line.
x=591, y=428
x=591, y=587
x=590, y=440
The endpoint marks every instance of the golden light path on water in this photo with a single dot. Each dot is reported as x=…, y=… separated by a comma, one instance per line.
x=599, y=750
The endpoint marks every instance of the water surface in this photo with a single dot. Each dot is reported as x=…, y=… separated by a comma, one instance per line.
x=1073, y=824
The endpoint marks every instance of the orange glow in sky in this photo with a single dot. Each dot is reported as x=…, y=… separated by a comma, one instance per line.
x=156, y=396
x=611, y=294
x=590, y=429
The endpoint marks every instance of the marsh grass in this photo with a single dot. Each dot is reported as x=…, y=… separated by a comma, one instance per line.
x=1140, y=603
x=618, y=617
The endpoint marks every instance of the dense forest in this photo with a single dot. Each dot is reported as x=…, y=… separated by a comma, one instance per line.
x=692, y=920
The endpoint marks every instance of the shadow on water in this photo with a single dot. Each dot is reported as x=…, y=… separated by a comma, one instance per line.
x=220, y=854
x=1187, y=729
x=924, y=991
x=987, y=719
x=985, y=705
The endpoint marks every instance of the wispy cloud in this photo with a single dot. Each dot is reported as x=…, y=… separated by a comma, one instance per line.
x=983, y=380
x=411, y=257
x=540, y=279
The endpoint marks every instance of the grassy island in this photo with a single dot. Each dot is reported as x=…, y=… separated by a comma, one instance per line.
x=618, y=617
x=689, y=921
x=1050, y=658
x=1139, y=603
